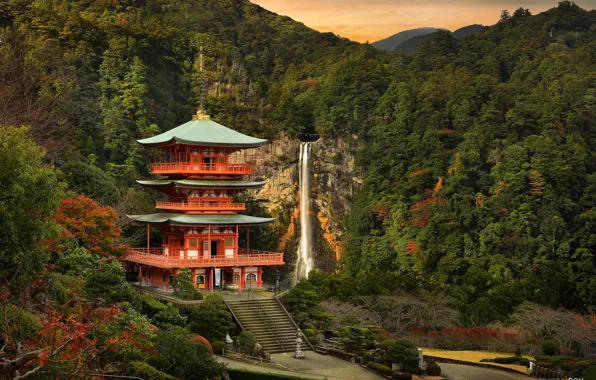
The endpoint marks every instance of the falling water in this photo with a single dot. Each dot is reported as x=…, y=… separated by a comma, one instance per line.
x=304, y=261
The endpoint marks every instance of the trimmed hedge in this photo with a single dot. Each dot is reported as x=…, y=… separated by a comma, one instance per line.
x=218, y=346
x=381, y=368
x=550, y=347
x=401, y=376
x=366, y=358
x=147, y=372
x=242, y=374
x=433, y=369
x=386, y=343
x=309, y=332
x=508, y=360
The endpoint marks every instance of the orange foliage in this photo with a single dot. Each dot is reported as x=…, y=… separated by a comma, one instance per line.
x=201, y=340
x=412, y=247
x=93, y=225
x=447, y=130
x=501, y=187
x=421, y=211
x=438, y=186
x=418, y=172
x=312, y=83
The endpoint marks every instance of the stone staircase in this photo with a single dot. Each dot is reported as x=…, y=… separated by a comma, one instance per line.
x=268, y=321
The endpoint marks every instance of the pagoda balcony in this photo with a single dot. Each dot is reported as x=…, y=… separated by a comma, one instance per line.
x=245, y=257
x=214, y=207
x=196, y=168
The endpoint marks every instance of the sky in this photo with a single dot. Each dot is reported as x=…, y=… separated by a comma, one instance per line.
x=372, y=20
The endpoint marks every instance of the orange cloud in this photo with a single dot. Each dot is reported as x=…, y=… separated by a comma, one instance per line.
x=372, y=20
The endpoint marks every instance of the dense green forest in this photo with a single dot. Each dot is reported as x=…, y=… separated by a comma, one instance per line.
x=478, y=153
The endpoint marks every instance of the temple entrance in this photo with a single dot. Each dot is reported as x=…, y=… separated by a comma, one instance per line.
x=213, y=248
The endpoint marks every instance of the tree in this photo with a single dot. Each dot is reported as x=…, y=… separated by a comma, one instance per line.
x=211, y=318
x=91, y=181
x=180, y=356
x=92, y=225
x=29, y=196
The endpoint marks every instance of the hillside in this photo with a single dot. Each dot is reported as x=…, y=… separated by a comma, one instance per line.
x=390, y=43
x=411, y=45
x=475, y=161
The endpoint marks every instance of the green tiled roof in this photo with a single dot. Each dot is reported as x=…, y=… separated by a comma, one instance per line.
x=202, y=220
x=199, y=183
x=204, y=133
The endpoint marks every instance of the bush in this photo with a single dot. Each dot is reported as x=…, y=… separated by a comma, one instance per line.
x=169, y=316
x=247, y=341
x=147, y=372
x=401, y=376
x=313, y=340
x=366, y=358
x=218, y=346
x=386, y=343
x=151, y=306
x=309, y=332
x=309, y=326
x=508, y=360
x=550, y=347
x=433, y=369
x=203, y=341
x=211, y=318
x=18, y=323
x=381, y=368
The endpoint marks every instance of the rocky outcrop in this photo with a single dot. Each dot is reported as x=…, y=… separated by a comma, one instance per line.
x=333, y=183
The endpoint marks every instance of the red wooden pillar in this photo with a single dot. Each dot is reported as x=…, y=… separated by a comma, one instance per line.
x=260, y=277
x=242, y=274
x=140, y=275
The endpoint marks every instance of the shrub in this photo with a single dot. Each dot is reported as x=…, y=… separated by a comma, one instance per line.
x=20, y=324
x=366, y=358
x=381, y=368
x=218, y=346
x=169, y=316
x=309, y=332
x=247, y=341
x=433, y=369
x=508, y=360
x=550, y=347
x=147, y=372
x=386, y=343
x=309, y=326
x=151, y=306
x=312, y=340
x=201, y=340
x=401, y=376
x=211, y=318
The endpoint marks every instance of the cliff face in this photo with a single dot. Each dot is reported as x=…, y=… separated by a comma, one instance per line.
x=333, y=183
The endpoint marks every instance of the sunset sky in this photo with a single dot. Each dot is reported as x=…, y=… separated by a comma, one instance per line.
x=372, y=20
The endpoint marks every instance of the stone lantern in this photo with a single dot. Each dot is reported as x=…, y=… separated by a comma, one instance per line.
x=298, y=354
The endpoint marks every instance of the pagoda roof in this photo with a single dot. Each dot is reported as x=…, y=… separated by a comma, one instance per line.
x=201, y=219
x=200, y=183
x=204, y=133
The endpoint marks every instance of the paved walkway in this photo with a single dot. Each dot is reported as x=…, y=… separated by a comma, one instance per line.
x=314, y=366
x=464, y=372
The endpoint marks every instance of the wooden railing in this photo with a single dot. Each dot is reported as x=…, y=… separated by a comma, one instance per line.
x=200, y=168
x=201, y=206
x=155, y=257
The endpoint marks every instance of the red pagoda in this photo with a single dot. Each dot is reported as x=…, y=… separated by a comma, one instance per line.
x=199, y=221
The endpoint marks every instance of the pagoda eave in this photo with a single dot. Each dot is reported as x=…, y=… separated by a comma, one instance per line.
x=201, y=184
x=201, y=219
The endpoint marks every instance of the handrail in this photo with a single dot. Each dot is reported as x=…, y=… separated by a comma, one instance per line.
x=200, y=167
x=293, y=322
x=274, y=331
x=155, y=256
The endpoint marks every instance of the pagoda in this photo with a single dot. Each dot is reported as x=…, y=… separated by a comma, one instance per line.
x=198, y=220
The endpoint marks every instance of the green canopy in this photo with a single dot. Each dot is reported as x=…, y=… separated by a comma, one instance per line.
x=204, y=133
x=202, y=219
x=202, y=184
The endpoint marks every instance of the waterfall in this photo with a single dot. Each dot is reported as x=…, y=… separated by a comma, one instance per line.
x=304, y=260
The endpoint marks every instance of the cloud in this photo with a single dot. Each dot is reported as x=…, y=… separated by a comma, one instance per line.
x=372, y=20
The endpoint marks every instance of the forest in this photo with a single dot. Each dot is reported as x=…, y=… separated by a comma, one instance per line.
x=478, y=157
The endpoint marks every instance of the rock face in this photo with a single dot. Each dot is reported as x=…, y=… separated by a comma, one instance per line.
x=333, y=183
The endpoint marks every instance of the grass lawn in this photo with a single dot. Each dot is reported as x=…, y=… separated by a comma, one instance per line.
x=475, y=357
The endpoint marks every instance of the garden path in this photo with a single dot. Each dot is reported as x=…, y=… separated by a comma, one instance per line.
x=464, y=372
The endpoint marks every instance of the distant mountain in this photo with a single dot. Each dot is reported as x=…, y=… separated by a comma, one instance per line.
x=411, y=45
x=467, y=30
x=390, y=43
